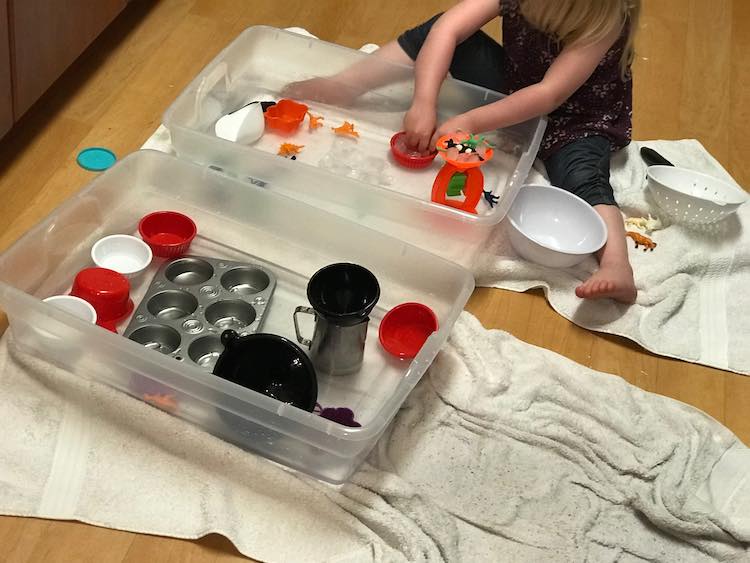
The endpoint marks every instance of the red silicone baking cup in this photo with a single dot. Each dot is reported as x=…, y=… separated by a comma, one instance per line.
x=409, y=160
x=168, y=233
x=107, y=291
x=405, y=328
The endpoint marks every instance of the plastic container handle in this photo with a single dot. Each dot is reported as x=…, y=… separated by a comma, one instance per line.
x=220, y=71
x=301, y=339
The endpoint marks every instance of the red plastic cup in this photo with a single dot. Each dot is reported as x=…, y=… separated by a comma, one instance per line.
x=168, y=233
x=405, y=328
x=406, y=157
x=107, y=291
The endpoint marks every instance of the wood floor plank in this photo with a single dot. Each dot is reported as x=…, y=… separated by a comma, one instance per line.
x=658, y=79
x=739, y=98
x=20, y=536
x=704, y=107
x=103, y=72
x=209, y=549
x=27, y=172
x=63, y=542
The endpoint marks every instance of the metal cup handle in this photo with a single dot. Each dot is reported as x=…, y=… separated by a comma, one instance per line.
x=301, y=339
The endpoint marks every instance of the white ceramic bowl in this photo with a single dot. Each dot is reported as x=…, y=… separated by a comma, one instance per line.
x=125, y=254
x=693, y=198
x=552, y=227
x=73, y=305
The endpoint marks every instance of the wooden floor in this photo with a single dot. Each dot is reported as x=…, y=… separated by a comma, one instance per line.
x=692, y=77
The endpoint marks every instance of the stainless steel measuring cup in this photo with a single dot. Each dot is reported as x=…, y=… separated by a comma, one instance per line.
x=342, y=296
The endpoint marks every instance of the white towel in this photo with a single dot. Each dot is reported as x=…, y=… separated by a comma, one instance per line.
x=693, y=302
x=504, y=451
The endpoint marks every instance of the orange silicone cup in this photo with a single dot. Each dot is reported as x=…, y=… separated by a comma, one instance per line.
x=285, y=116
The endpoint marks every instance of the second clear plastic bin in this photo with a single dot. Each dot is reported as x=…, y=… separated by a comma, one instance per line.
x=358, y=178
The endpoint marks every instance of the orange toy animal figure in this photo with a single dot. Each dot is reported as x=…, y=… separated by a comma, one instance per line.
x=164, y=402
x=347, y=129
x=315, y=121
x=289, y=149
x=641, y=240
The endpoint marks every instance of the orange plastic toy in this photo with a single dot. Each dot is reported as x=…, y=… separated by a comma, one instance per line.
x=347, y=129
x=285, y=116
x=164, y=402
x=641, y=240
x=289, y=149
x=463, y=154
x=315, y=121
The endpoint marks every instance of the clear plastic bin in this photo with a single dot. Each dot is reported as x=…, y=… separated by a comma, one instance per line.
x=236, y=221
x=359, y=179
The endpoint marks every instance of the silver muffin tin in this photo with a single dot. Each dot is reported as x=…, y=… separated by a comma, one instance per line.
x=193, y=299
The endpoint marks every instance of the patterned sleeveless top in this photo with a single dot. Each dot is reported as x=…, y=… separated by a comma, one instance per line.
x=602, y=106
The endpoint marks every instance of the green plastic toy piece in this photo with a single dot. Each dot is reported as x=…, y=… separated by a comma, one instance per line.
x=456, y=184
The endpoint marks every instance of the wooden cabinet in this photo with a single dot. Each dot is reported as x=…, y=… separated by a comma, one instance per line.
x=6, y=89
x=48, y=35
x=39, y=39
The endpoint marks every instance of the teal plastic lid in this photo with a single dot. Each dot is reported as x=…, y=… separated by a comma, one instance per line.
x=96, y=159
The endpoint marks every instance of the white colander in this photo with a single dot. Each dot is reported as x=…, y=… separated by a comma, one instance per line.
x=691, y=197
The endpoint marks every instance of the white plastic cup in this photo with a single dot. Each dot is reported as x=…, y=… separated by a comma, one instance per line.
x=124, y=254
x=73, y=305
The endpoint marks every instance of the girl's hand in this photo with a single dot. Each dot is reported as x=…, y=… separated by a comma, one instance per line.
x=419, y=124
x=458, y=123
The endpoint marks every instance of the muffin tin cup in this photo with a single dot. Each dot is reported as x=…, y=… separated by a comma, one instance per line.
x=193, y=299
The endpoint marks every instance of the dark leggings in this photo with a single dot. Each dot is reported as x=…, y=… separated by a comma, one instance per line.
x=580, y=167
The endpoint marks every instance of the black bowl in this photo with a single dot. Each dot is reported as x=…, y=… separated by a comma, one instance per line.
x=343, y=293
x=269, y=364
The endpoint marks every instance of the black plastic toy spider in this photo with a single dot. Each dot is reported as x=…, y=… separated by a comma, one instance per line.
x=463, y=147
x=490, y=198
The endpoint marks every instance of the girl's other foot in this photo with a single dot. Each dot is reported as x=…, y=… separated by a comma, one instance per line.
x=613, y=282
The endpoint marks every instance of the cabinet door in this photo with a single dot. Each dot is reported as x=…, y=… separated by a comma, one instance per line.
x=47, y=36
x=6, y=93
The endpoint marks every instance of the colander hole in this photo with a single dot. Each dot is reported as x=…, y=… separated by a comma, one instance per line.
x=700, y=209
x=712, y=211
x=666, y=197
x=688, y=206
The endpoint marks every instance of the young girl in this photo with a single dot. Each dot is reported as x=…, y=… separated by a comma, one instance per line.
x=569, y=59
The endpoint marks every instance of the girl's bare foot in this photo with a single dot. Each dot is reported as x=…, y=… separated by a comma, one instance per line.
x=343, y=88
x=324, y=90
x=613, y=282
x=614, y=279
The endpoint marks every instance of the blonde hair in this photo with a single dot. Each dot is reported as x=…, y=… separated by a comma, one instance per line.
x=585, y=21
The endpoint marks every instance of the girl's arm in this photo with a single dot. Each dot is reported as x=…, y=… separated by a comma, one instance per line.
x=433, y=62
x=569, y=71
